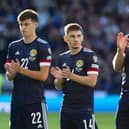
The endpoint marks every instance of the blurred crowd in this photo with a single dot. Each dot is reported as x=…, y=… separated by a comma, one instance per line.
x=101, y=21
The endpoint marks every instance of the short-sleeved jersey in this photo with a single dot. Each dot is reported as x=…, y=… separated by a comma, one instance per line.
x=75, y=95
x=31, y=56
x=125, y=73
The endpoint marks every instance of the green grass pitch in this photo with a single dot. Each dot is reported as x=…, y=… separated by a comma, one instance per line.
x=104, y=120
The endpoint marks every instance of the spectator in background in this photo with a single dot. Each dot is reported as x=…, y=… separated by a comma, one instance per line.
x=108, y=18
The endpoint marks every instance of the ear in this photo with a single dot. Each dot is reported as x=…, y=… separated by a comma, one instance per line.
x=36, y=24
x=65, y=39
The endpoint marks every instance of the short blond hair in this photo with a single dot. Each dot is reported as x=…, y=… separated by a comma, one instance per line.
x=72, y=27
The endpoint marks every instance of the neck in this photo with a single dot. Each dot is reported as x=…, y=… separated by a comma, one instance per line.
x=29, y=39
x=75, y=51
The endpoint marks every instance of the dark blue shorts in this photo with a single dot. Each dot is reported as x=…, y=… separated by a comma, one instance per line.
x=29, y=116
x=122, y=118
x=76, y=120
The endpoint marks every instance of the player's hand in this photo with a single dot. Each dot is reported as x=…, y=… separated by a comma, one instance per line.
x=16, y=66
x=9, y=70
x=57, y=73
x=66, y=72
x=6, y=66
x=122, y=42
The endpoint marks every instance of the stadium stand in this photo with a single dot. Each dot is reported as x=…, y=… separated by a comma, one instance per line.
x=102, y=20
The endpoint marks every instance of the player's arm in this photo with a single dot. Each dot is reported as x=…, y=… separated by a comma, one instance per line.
x=41, y=75
x=58, y=84
x=91, y=69
x=44, y=59
x=10, y=73
x=90, y=79
x=57, y=74
x=118, y=60
x=10, y=76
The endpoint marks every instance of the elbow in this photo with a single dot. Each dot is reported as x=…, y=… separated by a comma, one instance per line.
x=117, y=69
x=43, y=78
x=91, y=81
x=58, y=88
x=93, y=84
x=9, y=79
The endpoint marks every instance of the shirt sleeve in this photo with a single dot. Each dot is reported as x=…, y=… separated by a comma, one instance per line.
x=9, y=57
x=45, y=55
x=93, y=66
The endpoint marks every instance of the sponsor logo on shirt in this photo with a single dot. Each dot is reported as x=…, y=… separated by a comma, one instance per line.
x=17, y=53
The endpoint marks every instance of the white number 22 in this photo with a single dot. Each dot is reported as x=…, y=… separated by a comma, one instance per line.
x=36, y=117
x=25, y=62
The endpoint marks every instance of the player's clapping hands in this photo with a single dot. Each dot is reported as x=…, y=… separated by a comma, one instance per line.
x=61, y=73
x=66, y=72
x=9, y=69
x=11, y=73
x=15, y=65
x=57, y=73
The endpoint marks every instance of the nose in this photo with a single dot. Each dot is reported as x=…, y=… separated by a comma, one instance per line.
x=76, y=38
x=22, y=27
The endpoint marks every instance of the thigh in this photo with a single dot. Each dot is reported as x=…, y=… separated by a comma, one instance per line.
x=66, y=121
x=122, y=118
x=86, y=121
x=77, y=120
x=16, y=118
x=36, y=116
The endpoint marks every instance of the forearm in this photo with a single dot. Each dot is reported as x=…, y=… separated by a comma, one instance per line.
x=10, y=76
x=58, y=84
x=84, y=80
x=37, y=75
x=118, y=61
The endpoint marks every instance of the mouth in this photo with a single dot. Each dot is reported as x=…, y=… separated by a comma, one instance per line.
x=74, y=47
x=23, y=32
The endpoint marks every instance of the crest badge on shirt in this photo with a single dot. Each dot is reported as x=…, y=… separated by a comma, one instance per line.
x=79, y=65
x=33, y=54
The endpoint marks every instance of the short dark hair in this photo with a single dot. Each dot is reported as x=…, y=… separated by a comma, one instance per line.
x=28, y=14
x=72, y=27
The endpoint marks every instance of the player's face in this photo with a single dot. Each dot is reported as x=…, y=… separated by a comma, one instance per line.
x=27, y=27
x=74, y=39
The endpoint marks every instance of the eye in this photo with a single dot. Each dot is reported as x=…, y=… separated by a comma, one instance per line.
x=79, y=36
x=72, y=36
x=26, y=24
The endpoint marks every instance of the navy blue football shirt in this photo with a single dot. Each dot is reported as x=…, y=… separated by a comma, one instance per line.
x=31, y=56
x=125, y=73
x=75, y=95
